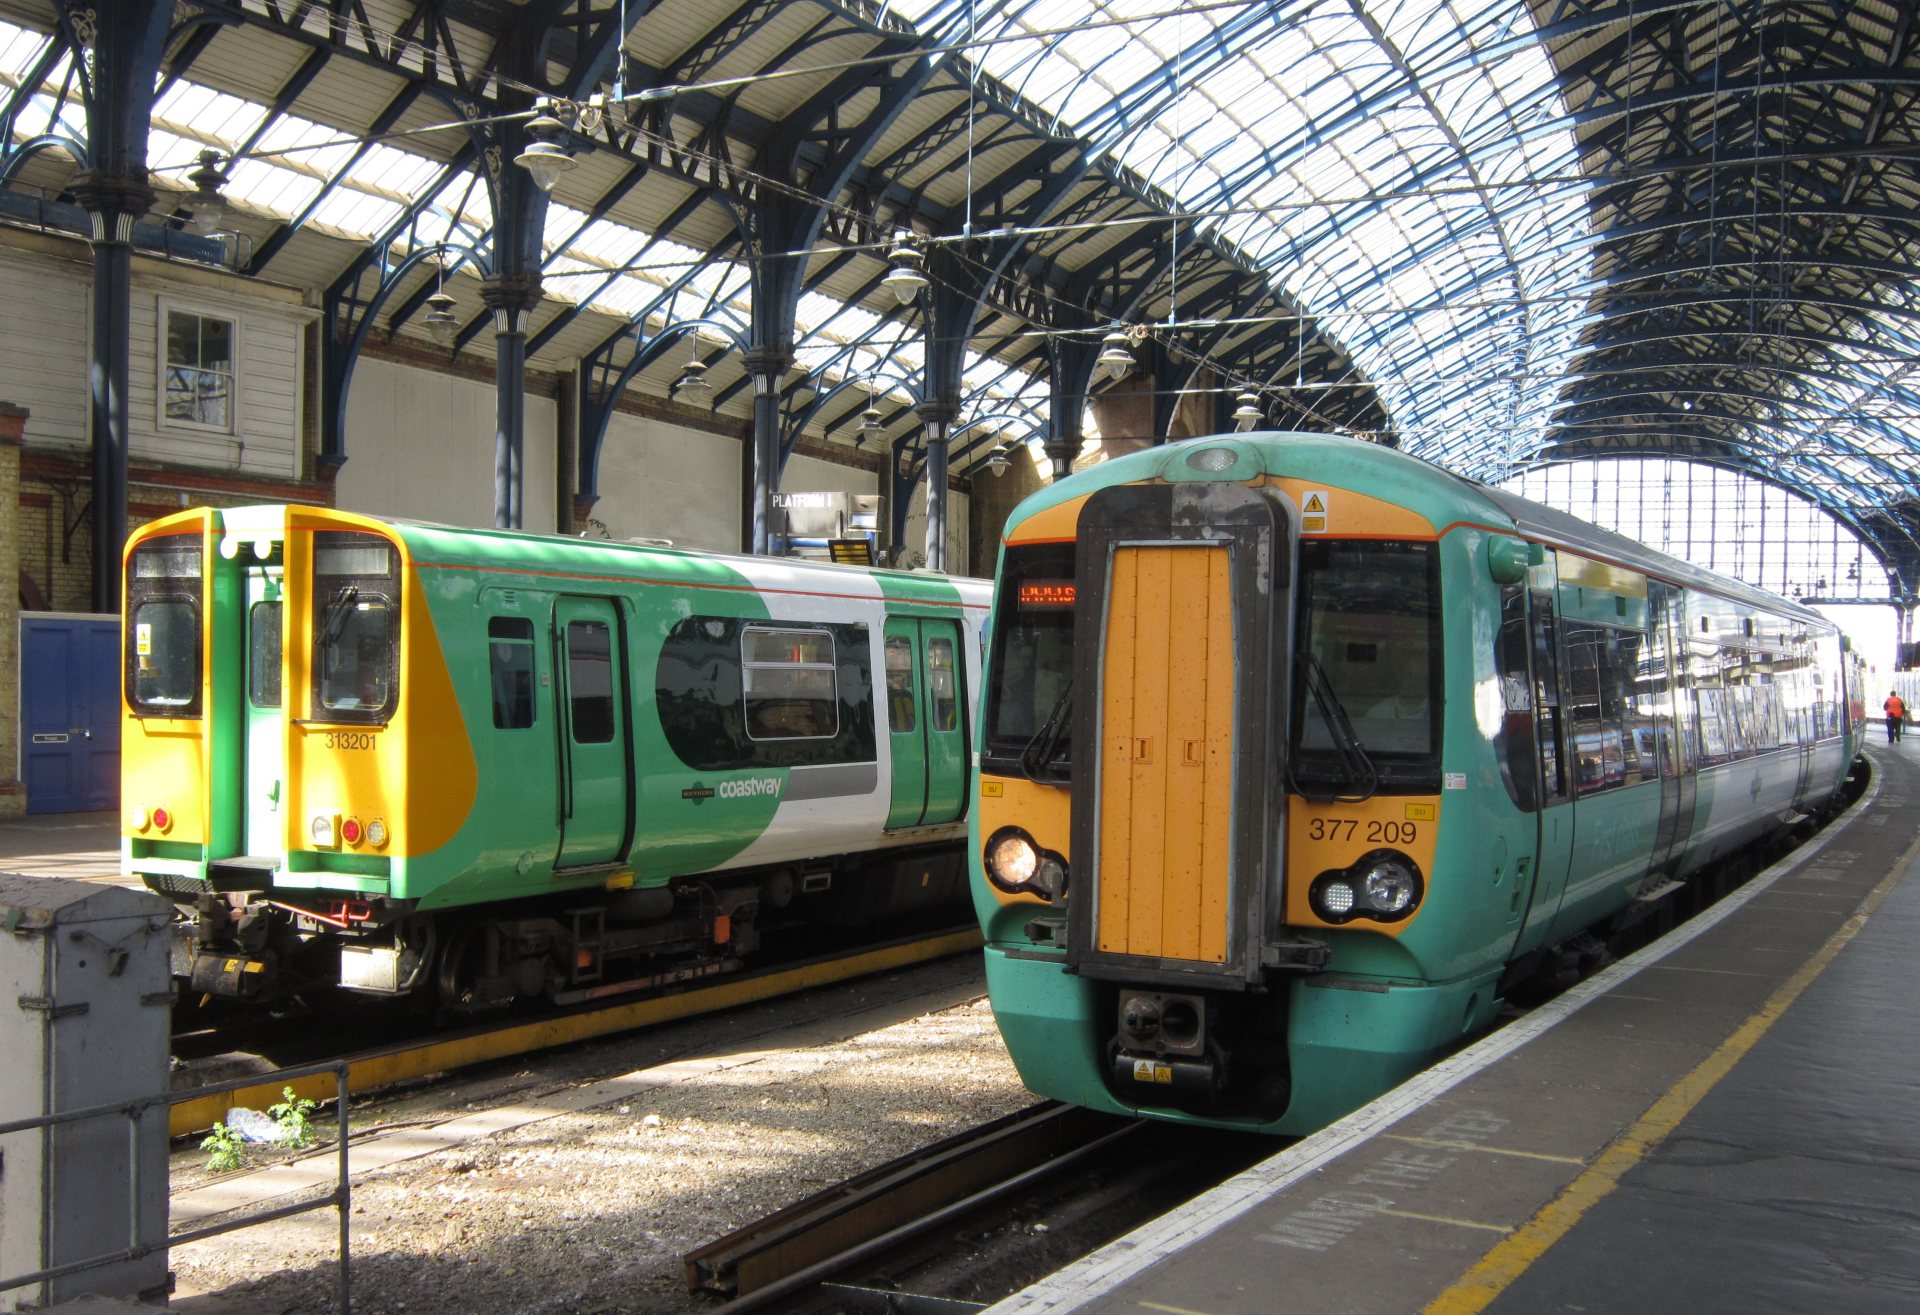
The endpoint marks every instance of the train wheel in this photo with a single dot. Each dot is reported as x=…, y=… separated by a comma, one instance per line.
x=459, y=979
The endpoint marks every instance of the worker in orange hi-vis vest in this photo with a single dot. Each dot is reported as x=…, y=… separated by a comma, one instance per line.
x=1896, y=714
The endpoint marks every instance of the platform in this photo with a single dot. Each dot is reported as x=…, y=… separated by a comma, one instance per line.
x=1727, y=1120
x=77, y=846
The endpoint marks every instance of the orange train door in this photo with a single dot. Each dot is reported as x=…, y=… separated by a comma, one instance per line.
x=1184, y=614
x=1166, y=753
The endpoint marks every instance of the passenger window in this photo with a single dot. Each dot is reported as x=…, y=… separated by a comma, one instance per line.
x=788, y=678
x=943, y=706
x=510, y=651
x=263, y=655
x=590, y=681
x=900, y=714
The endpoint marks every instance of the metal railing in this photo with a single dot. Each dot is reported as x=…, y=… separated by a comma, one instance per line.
x=137, y=1247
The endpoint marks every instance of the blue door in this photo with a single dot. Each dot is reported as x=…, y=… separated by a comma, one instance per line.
x=70, y=712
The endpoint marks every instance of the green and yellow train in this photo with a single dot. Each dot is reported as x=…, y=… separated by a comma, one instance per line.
x=1297, y=753
x=473, y=766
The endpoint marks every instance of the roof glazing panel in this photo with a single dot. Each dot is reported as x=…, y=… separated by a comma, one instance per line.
x=1376, y=157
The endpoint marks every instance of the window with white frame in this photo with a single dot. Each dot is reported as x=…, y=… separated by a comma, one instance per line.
x=198, y=369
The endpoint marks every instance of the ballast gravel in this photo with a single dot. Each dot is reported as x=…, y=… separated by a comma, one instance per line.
x=589, y=1212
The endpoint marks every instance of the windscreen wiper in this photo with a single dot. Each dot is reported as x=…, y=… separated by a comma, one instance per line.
x=1038, y=757
x=1356, y=771
x=339, y=609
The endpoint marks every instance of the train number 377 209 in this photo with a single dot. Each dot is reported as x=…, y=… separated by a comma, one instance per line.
x=1378, y=832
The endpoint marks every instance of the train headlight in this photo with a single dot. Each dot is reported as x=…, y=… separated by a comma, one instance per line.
x=1333, y=900
x=1213, y=460
x=1018, y=866
x=1389, y=885
x=1384, y=886
x=325, y=830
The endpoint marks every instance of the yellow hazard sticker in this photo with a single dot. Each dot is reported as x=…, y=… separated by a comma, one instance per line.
x=143, y=639
x=1420, y=812
x=620, y=881
x=1313, y=511
x=1147, y=1070
x=993, y=789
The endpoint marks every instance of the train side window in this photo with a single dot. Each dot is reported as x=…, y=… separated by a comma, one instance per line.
x=1546, y=697
x=788, y=678
x=510, y=662
x=900, y=698
x=263, y=654
x=590, y=681
x=1587, y=727
x=1513, y=744
x=943, y=703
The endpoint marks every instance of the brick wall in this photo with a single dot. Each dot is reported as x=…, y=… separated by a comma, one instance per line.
x=13, y=795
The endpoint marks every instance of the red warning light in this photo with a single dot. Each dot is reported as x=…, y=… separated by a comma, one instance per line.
x=162, y=819
x=350, y=830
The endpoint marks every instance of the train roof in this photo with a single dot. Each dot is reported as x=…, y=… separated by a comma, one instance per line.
x=1443, y=497
x=527, y=548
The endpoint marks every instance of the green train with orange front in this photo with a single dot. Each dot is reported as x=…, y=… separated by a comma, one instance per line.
x=1297, y=754
x=471, y=766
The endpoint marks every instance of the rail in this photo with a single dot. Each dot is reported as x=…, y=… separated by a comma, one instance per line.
x=137, y=1247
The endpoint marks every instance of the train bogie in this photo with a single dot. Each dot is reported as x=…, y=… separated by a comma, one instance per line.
x=1297, y=753
x=393, y=758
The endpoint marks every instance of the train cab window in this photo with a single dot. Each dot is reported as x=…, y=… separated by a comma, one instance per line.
x=788, y=680
x=900, y=700
x=356, y=630
x=590, y=681
x=1030, y=693
x=162, y=658
x=510, y=665
x=1370, y=624
x=943, y=703
x=263, y=654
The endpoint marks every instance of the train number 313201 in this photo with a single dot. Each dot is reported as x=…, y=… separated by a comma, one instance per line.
x=1378, y=832
x=349, y=740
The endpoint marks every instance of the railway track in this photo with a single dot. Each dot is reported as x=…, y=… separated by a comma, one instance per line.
x=407, y=1055
x=956, y=1225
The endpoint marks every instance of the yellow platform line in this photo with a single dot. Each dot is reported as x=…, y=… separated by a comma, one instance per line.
x=1475, y=1290
x=371, y=1072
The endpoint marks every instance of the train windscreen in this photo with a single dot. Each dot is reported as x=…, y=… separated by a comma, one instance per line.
x=1029, y=722
x=1368, y=635
x=162, y=632
x=356, y=627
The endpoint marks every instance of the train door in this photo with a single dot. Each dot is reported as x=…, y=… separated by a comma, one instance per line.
x=596, y=774
x=924, y=702
x=1553, y=852
x=263, y=824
